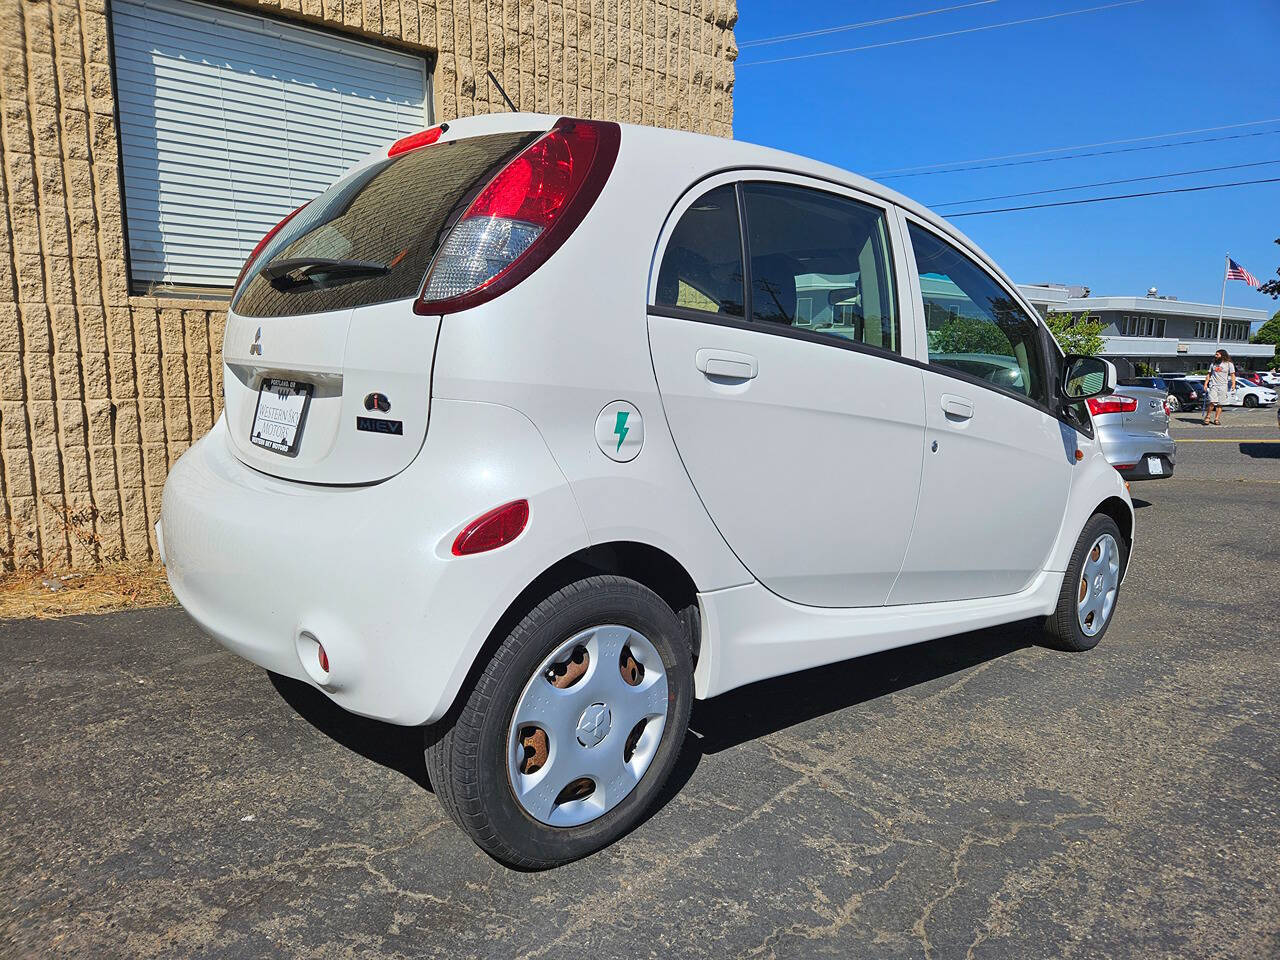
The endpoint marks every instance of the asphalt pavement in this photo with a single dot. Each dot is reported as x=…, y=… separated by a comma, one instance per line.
x=978, y=796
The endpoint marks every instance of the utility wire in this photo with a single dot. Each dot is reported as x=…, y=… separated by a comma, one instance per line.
x=938, y=36
x=1077, y=156
x=1077, y=146
x=1105, y=183
x=783, y=38
x=1119, y=196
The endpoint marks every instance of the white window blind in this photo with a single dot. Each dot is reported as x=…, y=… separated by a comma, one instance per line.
x=228, y=121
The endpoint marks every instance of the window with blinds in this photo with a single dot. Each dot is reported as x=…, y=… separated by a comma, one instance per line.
x=228, y=121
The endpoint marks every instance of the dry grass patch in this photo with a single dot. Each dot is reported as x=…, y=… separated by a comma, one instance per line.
x=120, y=586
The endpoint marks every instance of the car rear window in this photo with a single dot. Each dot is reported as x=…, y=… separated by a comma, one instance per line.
x=380, y=227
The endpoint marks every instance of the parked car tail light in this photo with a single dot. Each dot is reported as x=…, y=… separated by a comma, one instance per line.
x=1113, y=404
x=522, y=216
x=263, y=242
x=1168, y=411
x=420, y=139
x=492, y=530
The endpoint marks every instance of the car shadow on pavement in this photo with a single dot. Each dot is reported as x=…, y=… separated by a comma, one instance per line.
x=1261, y=451
x=719, y=724
x=397, y=748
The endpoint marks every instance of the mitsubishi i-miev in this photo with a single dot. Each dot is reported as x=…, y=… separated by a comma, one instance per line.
x=538, y=428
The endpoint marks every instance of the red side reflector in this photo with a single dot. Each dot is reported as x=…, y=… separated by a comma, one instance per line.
x=492, y=530
x=1112, y=404
x=415, y=140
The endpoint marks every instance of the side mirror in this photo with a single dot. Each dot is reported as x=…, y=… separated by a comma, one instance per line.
x=1084, y=377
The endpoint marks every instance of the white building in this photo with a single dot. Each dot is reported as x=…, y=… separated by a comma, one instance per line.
x=1166, y=333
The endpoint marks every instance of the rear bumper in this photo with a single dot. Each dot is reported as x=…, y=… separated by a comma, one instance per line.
x=263, y=564
x=1129, y=454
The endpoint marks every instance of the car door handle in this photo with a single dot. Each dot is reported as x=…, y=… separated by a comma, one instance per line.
x=957, y=408
x=726, y=363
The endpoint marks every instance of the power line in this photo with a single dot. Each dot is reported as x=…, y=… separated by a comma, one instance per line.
x=783, y=38
x=1105, y=183
x=1077, y=146
x=938, y=36
x=1077, y=156
x=1119, y=196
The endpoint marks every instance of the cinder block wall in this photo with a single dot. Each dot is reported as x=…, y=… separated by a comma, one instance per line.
x=102, y=390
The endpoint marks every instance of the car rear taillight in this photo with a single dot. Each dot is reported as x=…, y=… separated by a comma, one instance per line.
x=263, y=242
x=492, y=530
x=522, y=216
x=1168, y=411
x=1111, y=404
x=420, y=139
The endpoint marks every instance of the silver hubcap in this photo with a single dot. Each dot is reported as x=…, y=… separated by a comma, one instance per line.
x=1099, y=581
x=587, y=726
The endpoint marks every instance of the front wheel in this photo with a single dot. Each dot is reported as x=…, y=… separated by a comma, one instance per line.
x=1090, y=587
x=568, y=735
x=1250, y=399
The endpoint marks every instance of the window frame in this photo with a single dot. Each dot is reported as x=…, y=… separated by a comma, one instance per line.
x=429, y=58
x=1051, y=354
x=738, y=177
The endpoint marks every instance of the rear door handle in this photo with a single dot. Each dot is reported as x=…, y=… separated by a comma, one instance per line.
x=726, y=363
x=957, y=408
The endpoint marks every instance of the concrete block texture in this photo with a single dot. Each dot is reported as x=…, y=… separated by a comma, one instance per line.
x=103, y=384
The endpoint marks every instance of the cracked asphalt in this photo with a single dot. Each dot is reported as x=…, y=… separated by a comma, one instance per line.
x=978, y=796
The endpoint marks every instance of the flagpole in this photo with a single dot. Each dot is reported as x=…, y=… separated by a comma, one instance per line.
x=1226, y=265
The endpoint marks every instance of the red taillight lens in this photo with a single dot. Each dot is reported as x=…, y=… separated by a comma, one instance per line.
x=492, y=530
x=420, y=139
x=322, y=657
x=1112, y=404
x=1168, y=410
x=522, y=216
x=263, y=242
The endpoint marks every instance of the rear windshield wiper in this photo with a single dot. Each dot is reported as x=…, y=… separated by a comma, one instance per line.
x=297, y=270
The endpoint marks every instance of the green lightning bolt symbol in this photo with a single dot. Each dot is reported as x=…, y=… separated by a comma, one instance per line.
x=620, y=428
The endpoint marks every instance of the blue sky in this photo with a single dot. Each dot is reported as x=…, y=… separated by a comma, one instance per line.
x=1151, y=67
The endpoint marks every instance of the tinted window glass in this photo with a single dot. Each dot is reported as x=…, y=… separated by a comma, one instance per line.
x=391, y=215
x=820, y=262
x=702, y=266
x=973, y=325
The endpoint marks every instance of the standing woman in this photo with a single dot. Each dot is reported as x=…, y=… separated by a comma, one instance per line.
x=1221, y=371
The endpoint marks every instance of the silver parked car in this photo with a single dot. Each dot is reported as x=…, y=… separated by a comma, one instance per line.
x=1133, y=429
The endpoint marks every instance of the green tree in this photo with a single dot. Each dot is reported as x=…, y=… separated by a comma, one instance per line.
x=1269, y=332
x=961, y=334
x=1080, y=333
x=1272, y=289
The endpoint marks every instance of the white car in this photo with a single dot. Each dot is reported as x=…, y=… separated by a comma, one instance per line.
x=537, y=429
x=1248, y=394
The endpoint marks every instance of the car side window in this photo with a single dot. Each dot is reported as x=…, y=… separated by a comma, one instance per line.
x=822, y=263
x=973, y=325
x=702, y=265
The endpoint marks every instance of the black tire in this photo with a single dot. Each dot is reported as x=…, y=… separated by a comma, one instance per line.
x=1062, y=627
x=1250, y=400
x=466, y=753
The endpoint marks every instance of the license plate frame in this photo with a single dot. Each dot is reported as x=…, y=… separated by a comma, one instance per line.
x=290, y=434
x=1155, y=466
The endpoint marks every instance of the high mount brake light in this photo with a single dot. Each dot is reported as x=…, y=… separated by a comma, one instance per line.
x=262, y=243
x=1111, y=404
x=522, y=215
x=420, y=139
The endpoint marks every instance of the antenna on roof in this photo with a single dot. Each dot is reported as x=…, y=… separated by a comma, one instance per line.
x=501, y=91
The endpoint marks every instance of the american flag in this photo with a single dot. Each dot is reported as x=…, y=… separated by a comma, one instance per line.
x=1237, y=272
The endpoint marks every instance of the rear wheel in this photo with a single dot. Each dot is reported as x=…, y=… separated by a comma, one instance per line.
x=573, y=727
x=1090, y=588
